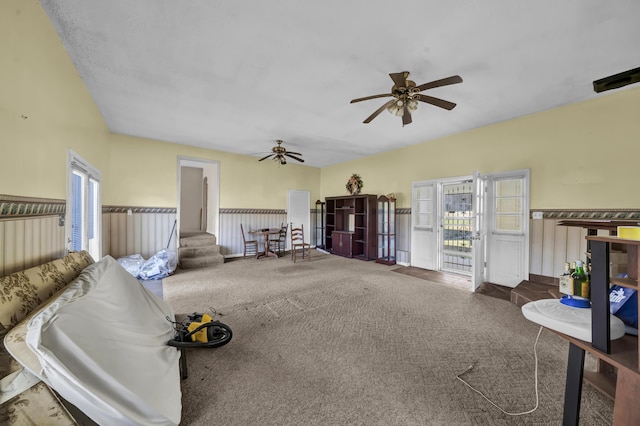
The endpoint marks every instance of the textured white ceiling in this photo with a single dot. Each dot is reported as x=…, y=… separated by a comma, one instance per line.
x=236, y=76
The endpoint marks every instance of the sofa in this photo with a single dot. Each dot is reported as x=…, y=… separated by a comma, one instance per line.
x=85, y=342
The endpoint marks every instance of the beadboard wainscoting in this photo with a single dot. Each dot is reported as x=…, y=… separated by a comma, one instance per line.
x=230, y=240
x=32, y=232
x=137, y=230
x=31, y=241
x=551, y=245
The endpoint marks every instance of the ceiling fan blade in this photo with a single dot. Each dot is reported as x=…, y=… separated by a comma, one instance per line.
x=371, y=97
x=265, y=157
x=406, y=117
x=438, y=83
x=378, y=111
x=288, y=154
x=291, y=152
x=436, y=101
x=400, y=78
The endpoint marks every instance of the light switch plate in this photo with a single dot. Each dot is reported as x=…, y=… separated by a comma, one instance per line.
x=536, y=215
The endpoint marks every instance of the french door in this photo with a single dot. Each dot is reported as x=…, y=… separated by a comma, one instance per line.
x=476, y=226
x=507, y=242
x=84, y=206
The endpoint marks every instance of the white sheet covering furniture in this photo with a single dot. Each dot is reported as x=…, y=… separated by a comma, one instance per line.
x=102, y=345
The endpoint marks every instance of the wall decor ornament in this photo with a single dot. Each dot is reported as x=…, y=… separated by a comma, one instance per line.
x=354, y=184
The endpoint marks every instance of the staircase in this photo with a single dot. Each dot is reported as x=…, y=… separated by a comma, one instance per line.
x=198, y=250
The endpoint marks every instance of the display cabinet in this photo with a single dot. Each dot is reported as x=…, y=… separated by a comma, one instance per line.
x=320, y=226
x=355, y=216
x=386, y=230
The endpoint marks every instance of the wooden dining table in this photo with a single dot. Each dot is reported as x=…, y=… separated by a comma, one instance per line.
x=265, y=232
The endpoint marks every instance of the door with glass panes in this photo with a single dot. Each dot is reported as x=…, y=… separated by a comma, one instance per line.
x=84, y=209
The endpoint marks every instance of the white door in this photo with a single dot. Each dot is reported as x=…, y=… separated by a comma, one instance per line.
x=507, y=245
x=456, y=220
x=299, y=213
x=478, y=240
x=424, y=232
x=84, y=206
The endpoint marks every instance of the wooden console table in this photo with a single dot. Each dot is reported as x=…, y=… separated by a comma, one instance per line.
x=621, y=354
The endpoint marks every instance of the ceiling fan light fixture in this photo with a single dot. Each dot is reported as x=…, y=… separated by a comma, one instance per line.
x=406, y=95
x=397, y=108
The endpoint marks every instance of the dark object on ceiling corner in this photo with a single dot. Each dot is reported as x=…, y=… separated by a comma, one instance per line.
x=617, y=80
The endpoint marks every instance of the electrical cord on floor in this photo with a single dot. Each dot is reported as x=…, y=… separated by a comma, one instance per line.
x=535, y=354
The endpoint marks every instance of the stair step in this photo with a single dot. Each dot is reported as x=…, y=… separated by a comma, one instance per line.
x=528, y=291
x=184, y=252
x=197, y=239
x=201, y=261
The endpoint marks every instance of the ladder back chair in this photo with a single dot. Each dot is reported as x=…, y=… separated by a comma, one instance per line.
x=250, y=246
x=279, y=244
x=298, y=244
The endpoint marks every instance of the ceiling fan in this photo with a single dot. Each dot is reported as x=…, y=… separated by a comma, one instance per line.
x=279, y=153
x=406, y=95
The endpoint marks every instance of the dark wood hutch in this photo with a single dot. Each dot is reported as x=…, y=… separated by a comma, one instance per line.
x=351, y=226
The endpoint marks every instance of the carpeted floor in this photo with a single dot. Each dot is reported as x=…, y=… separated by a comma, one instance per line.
x=337, y=341
x=154, y=285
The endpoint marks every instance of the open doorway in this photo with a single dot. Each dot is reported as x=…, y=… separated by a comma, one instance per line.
x=198, y=196
x=457, y=222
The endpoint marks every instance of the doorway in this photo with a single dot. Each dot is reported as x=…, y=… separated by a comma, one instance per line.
x=198, y=196
x=456, y=212
x=475, y=226
x=84, y=206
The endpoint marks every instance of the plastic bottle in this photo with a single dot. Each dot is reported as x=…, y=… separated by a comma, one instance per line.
x=579, y=278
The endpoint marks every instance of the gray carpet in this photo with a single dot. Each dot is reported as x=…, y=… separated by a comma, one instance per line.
x=154, y=285
x=337, y=341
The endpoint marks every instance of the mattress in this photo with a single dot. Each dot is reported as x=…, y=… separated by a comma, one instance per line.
x=101, y=344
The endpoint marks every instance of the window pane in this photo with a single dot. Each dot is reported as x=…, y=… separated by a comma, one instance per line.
x=509, y=205
x=508, y=222
x=509, y=188
x=424, y=192
x=76, y=213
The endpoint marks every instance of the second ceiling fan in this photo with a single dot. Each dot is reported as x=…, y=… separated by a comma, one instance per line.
x=280, y=154
x=406, y=95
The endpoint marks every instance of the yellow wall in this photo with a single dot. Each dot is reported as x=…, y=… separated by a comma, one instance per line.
x=45, y=107
x=581, y=156
x=144, y=172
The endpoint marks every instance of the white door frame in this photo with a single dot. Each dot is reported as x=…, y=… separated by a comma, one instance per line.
x=487, y=260
x=507, y=252
x=424, y=229
x=77, y=164
x=479, y=239
x=211, y=170
x=441, y=216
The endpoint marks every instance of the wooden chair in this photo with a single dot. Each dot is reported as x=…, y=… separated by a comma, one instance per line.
x=279, y=244
x=250, y=246
x=297, y=243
